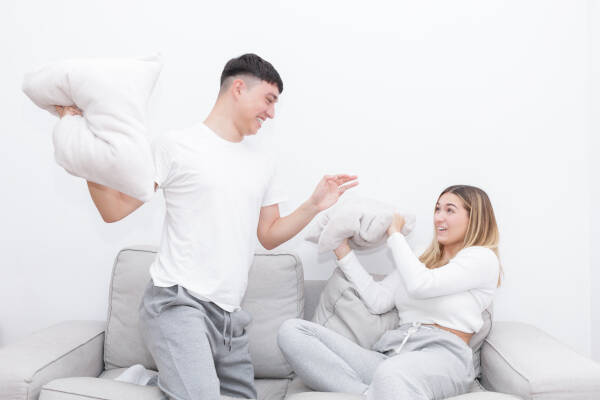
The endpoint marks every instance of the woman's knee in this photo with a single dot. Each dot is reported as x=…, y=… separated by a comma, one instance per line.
x=391, y=382
x=385, y=373
x=290, y=329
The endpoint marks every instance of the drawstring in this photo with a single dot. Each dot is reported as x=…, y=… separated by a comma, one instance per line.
x=415, y=327
x=226, y=317
x=224, y=326
x=230, y=331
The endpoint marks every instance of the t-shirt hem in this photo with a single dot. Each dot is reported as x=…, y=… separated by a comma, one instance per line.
x=224, y=306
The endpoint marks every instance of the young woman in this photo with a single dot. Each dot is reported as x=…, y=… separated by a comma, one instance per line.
x=439, y=297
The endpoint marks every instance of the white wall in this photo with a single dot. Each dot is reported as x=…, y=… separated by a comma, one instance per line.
x=411, y=96
x=594, y=149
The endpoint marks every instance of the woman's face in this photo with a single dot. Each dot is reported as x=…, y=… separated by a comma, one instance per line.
x=451, y=220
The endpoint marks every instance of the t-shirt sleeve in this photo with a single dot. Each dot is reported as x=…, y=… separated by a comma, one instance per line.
x=274, y=193
x=162, y=163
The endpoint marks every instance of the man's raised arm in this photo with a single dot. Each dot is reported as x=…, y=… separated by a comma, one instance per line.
x=112, y=204
x=273, y=229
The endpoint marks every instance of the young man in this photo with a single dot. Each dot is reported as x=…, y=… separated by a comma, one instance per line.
x=220, y=196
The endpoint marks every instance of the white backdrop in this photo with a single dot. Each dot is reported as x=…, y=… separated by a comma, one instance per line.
x=594, y=16
x=411, y=96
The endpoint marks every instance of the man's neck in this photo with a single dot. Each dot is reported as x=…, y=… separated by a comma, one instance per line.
x=219, y=121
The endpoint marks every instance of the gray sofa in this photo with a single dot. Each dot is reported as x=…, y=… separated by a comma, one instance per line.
x=77, y=359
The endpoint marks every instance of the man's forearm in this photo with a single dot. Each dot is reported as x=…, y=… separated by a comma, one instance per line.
x=285, y=228
x=274, y=230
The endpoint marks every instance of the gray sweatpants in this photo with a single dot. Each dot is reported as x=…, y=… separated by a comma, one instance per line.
x=432, y=363
x=201, y=351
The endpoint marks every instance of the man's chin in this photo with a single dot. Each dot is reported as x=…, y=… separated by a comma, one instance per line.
x=252, y=132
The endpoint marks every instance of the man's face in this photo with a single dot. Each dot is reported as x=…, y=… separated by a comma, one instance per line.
x=256, y=103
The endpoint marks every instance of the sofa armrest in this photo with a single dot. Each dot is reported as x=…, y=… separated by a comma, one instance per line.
x=520, y=359
x=72, y=348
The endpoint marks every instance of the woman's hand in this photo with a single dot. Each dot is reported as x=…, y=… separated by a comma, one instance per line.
x=398, y=222
x=342, y=250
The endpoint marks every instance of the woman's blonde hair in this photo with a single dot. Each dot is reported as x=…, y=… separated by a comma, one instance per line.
x=482, y=229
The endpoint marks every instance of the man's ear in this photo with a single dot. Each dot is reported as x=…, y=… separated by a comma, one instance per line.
x=238, y=86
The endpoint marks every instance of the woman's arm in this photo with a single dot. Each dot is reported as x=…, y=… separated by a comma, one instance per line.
x=377, y=296
x=472, y=268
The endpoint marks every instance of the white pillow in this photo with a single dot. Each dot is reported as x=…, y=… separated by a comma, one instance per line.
x=363, y=220
x=109, y=144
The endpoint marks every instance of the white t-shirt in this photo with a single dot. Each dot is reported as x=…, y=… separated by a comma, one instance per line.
x=452, y=296
x=214, y=190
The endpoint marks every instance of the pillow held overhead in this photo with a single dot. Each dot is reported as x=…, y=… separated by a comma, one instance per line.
x=109, y=145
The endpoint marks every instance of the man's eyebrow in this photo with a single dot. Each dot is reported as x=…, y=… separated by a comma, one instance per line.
x=275, y=98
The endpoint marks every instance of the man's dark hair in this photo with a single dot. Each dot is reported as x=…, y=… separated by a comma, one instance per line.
x=251, y=64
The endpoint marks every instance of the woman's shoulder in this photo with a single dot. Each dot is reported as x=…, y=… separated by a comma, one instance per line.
x=478, y=255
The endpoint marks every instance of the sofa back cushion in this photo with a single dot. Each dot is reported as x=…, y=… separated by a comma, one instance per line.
x=275, y=293
x=341, y=310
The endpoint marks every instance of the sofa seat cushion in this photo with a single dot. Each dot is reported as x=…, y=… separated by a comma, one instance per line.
x=105, y=388
x=112, y=373
x=344, y=396
x=297, y=390
x=275, y=293
x=268, y=389
x=298, y=387
x=81, y=388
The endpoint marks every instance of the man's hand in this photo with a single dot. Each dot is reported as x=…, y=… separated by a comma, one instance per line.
x=67, y=110
x=329, y=190
x=397, y=224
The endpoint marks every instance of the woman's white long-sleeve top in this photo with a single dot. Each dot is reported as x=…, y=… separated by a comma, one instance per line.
x=452, y=296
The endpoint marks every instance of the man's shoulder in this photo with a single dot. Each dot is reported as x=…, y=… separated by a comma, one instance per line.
x=171, y=137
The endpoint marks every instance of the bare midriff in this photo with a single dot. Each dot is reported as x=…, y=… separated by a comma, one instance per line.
x=463, y=335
